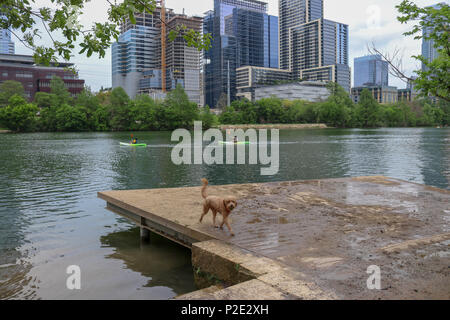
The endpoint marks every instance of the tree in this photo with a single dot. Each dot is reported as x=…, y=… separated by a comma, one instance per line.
x=336, y=111
x=19, y=116
x=432, y=116
x=248, y=111
x=445, y=107
x=182, y=111
x=62, y=19
x=44, y=99
x=408, y=117
x=87, y=99
x=70, y=119
x=100, y=119
x=48, y=119
x=299, y=111
x=270, y=110
x=339, y=96
x=143, y=113
x=87, y=103
x=368, y=110
x=118, y=109
x=103, y=97
x=60, y=92
x=434, y=79
x=208, y=119
x=230, y=116
x=392, y=116
x=333, y=114
x=8, y=89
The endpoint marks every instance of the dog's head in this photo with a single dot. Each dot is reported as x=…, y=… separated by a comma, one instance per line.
x=230, y=203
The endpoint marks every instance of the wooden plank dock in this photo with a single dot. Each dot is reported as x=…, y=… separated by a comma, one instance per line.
x=306, y=239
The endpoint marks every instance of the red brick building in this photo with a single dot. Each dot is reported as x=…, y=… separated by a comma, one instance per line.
x=35, y=78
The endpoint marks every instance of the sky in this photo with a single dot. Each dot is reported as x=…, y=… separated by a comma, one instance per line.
x=368, y=20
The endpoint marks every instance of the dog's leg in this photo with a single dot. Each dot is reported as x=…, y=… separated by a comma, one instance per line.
x=205, y=212
x=214, y=212
x=229, y=227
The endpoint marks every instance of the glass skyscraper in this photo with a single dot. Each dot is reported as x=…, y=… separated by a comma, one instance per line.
x=243, y=35
x=371, y=71
x=6, y=44
x=294, y=13
x=312, y=47
x=429, y=51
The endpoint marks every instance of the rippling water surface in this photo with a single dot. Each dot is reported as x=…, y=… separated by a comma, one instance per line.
x=50, y=217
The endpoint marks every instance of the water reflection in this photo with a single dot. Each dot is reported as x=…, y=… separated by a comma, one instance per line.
x=162, y=262
x=436, y=157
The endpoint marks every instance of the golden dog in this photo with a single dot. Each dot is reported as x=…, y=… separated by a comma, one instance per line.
x=217, y=204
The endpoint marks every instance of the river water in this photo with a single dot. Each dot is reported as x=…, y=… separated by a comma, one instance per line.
x=51, y=218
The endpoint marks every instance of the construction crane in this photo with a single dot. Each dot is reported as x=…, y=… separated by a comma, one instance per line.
x=163, y=45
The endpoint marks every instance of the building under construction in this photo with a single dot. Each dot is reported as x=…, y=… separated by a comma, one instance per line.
x=145, y=61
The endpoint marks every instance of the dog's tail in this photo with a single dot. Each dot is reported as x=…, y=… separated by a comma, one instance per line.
x=205, y=184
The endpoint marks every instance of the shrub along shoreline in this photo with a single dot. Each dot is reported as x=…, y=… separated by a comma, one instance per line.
x=292, y=126
x=113, y=110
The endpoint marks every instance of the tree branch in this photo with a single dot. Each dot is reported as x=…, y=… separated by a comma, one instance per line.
x=21, y=40
x=395, y=62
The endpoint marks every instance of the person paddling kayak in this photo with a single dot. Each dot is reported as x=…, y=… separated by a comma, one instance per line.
x=134, y=140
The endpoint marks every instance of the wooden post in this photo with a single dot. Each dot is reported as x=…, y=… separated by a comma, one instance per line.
x=145, y=235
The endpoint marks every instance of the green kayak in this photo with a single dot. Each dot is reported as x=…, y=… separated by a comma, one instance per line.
x=133, y=145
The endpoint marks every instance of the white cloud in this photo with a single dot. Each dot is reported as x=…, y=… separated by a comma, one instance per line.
x=355, y=13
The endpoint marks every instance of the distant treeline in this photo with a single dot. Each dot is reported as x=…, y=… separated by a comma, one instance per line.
x=104, y=111
x=339, y=111
x=115, y=111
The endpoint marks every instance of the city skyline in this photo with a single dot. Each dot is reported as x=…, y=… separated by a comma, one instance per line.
x=368, y=21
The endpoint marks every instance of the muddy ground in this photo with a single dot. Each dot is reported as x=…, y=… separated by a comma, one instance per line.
x=333, y=230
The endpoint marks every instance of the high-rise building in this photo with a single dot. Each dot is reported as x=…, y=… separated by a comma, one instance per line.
x=429, y=51
x=208, y=76
x=183, y=63
x=137, y=58
x=371, y=70
x=312, y=47
x=137, y=53
x=293, y=13
x=243, y=35
x=6, y=44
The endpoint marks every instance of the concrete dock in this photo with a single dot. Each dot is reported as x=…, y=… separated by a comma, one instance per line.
x=306, y=239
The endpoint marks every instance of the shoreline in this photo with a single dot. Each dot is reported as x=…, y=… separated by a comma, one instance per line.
x=274, y=126
x=236, y=126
